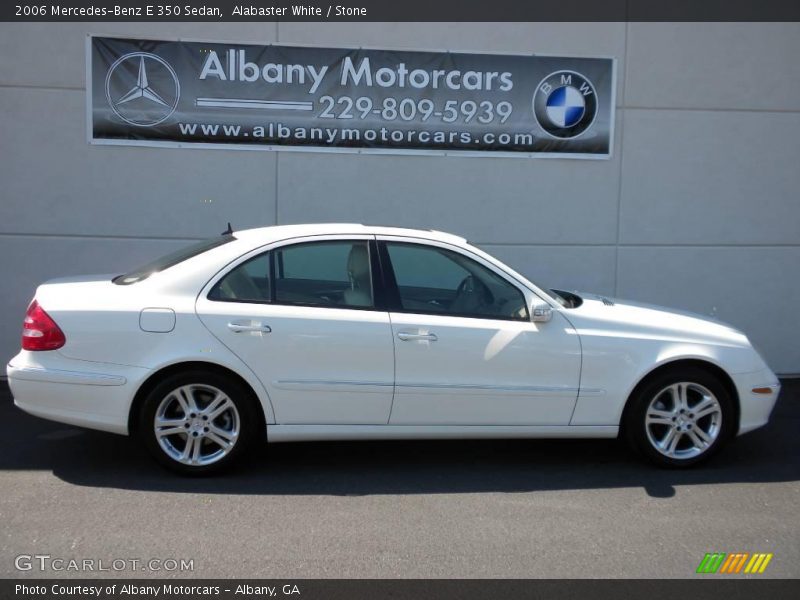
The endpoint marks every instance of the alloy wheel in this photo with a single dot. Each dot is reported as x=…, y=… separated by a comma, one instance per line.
x=683, y=420
x=196, y=424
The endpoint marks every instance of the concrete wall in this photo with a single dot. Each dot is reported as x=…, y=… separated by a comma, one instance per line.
x=698, y=209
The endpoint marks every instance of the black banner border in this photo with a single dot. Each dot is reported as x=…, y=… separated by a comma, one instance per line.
x=93, y=141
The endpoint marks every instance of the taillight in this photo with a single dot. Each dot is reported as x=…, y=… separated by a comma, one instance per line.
x=39, y=331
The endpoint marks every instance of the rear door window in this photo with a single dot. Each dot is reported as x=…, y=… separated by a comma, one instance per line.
x=334, y=274
x=331, y=273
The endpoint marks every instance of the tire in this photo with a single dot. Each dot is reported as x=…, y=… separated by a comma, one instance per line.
x=680, y=418
x=206, y=422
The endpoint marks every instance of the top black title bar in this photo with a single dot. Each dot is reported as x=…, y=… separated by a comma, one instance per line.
x=400, y=10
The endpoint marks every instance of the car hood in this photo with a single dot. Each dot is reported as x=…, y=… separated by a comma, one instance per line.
x=625, y=318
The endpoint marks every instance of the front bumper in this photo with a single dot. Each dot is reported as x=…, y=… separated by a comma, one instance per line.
x=86, y=394
x=755, y=408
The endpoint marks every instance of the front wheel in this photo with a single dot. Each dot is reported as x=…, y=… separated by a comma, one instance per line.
x=196, y=423
x=680, y=418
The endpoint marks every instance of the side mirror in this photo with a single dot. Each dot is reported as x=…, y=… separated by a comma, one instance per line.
x=541, y=313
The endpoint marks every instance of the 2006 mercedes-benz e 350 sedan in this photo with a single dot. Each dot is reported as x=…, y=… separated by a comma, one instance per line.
x=331, y=332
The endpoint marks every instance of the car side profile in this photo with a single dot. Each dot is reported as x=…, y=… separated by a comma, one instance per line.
x=347, y=332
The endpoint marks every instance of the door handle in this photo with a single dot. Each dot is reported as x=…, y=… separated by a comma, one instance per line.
x=240, y=328
x=407, y=336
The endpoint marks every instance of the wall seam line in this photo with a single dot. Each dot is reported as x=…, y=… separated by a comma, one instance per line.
x=621, y=120
x=277, y=154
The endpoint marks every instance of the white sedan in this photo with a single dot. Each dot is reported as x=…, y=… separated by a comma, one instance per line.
x=334, y=332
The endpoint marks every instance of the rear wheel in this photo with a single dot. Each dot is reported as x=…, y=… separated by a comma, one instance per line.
x=680, y=418
x=198, y=422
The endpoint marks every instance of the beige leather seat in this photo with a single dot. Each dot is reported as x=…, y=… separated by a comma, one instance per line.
x=358, y=271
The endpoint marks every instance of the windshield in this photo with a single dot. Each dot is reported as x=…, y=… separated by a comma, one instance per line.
x=171, y=259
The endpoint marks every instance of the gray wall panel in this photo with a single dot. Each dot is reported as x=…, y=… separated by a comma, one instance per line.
x=488, y=200
x=583, y=268
x=714, y=65
x=754, y=289
x=55, y=182
x=707, y=177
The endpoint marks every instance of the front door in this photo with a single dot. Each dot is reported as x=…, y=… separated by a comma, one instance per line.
x=466, y=351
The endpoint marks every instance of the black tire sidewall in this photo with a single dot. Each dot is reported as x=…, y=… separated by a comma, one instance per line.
x=241, y=397
x=634, y=424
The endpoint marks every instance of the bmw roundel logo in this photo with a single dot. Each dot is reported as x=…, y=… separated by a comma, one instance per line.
x=565, y=104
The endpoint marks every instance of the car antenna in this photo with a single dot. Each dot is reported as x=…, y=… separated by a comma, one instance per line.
x=228, y=231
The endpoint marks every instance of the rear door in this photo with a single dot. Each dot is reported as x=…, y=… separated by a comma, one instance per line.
x=306, y=318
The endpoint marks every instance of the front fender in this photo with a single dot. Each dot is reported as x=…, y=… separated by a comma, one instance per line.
x=613, y=367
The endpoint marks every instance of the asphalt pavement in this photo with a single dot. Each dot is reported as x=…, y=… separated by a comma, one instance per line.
x=539, y=508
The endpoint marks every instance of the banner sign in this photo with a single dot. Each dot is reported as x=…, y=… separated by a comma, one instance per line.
x=273, y=97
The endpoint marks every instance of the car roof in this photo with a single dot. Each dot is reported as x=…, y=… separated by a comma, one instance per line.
x=280, y=232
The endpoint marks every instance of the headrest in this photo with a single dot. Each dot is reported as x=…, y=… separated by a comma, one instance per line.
x=358, y=262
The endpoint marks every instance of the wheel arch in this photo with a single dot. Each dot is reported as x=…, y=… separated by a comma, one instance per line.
x=676, y=365
x=155, y=378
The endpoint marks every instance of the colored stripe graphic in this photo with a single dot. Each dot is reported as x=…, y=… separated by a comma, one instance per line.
x=742, y=561
x=722, y=563
x=734, y=562
x=758, y=563
x=711, y=562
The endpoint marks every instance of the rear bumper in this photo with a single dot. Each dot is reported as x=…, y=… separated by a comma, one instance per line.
x=86, y=394
x=60, y=376
x=755, y=409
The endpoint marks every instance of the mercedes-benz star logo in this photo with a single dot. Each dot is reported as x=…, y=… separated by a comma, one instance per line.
x=131, y=84
x=565, y=104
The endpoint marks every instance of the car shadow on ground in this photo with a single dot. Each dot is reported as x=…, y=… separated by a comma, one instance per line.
x=88, y=458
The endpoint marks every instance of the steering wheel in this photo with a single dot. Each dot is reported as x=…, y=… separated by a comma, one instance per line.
x=472, y=294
